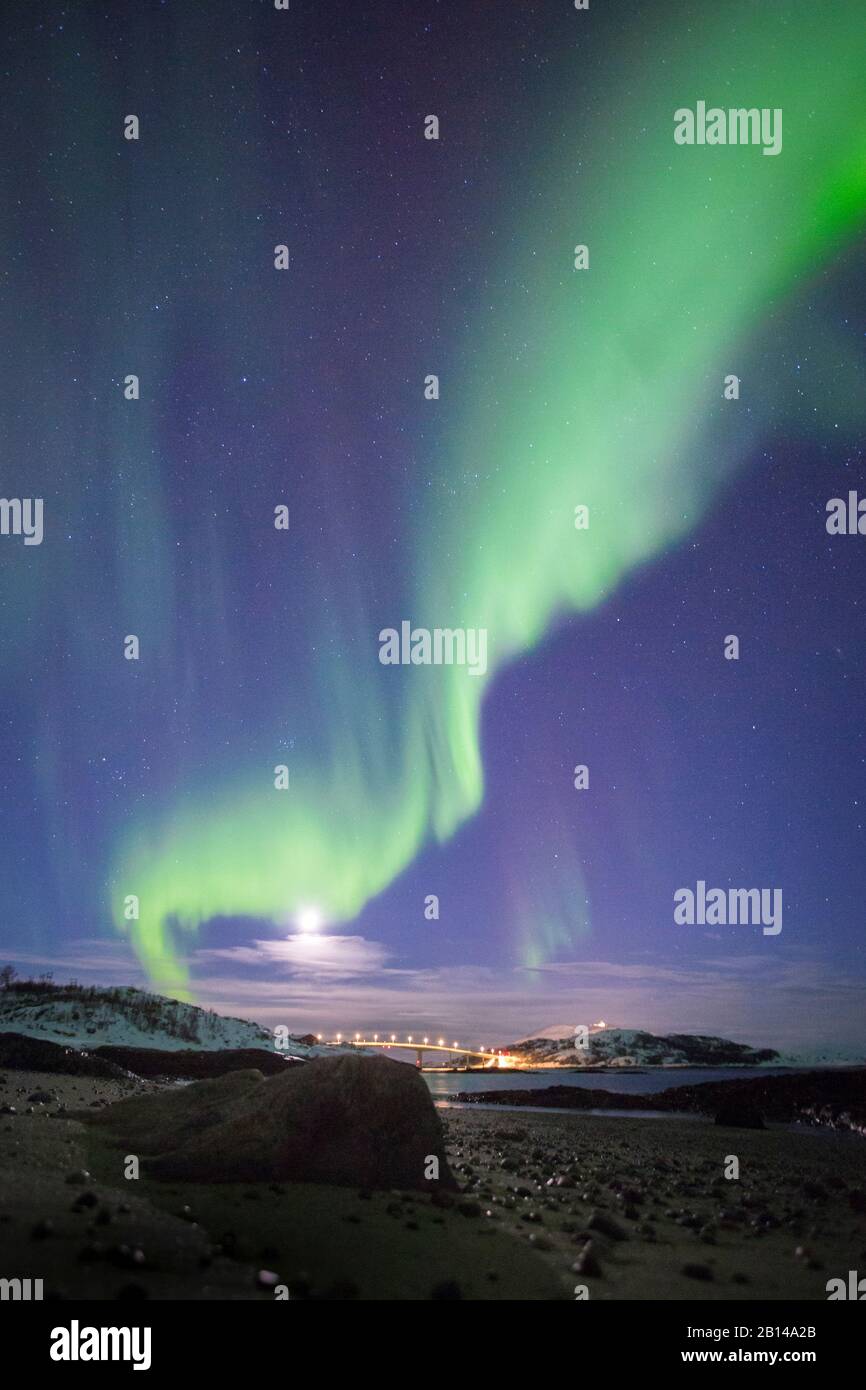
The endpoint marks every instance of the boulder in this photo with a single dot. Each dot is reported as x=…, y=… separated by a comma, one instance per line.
x=365, y=1122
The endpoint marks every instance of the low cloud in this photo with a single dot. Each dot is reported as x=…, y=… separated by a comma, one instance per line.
x=340, y=957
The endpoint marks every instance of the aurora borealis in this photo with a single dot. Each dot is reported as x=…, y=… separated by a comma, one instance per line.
x=558, y=388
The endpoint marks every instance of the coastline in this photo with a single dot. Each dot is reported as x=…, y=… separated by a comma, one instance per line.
x=640, y=1205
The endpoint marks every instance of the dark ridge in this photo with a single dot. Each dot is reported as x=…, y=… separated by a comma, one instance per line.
x=190, y=1063
x=19, y=1053
x=831, y=1098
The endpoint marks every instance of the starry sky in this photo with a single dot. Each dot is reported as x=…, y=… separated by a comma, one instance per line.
x=558, y=388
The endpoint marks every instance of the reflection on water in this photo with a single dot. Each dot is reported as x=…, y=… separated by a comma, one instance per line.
x=446, y=1104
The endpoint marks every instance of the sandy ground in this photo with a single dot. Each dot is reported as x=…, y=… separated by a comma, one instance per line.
x=650, y=1195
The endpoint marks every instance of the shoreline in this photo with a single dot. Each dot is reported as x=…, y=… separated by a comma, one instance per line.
x=633, y=1207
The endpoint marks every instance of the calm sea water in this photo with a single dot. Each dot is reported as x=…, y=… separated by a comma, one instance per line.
x=445, y=1085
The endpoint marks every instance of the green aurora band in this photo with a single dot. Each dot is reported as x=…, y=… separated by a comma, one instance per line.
x=599, y=387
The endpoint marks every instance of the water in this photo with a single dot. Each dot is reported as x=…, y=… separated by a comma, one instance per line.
x=444, y=1085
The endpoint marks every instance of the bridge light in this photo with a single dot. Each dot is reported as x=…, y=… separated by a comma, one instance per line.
x=393, y=1037
x=426, y=1040
x=410, y=1037
x=375, y=1037
x=455, y=1044
x=357, y=1037
x=441, y=1042
x=318, y=1037
x=339, y=1037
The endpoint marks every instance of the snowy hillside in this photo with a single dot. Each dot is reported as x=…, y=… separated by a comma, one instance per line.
x=627, y=1047
x=90, y=1018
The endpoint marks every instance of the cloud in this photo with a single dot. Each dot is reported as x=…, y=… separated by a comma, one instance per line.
x=340, y=957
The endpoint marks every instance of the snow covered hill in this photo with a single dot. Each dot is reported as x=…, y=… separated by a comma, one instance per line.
x=627, y=1047
x=90, y=1018
x=630, y=1047
x=83, y=1017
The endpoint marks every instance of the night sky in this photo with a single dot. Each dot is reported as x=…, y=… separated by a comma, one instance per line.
x=558, y=388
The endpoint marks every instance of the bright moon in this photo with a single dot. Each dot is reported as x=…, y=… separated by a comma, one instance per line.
x=309, y=919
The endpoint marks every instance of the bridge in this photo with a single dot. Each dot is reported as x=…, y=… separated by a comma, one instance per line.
x=419, y=1047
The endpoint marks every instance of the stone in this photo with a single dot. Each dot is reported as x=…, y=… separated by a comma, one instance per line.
x=366, y=1122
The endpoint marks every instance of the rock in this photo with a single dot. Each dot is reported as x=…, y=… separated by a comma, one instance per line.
x=606, y=1226
x=83, y=1200
x=42, y=1098
x=349, y=1120
x=78, y=1177
x=587, y=1263
x=739, y=1114
x=694, y=1271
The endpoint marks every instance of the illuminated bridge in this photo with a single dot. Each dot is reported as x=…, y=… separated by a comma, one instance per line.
x=421, y=1045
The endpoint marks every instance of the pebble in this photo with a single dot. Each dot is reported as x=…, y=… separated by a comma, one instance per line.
x=587, y=1262
x=606, y=1226
x=702, y=1272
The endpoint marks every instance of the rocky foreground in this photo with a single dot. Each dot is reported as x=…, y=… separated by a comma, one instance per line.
x=540, y=1204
